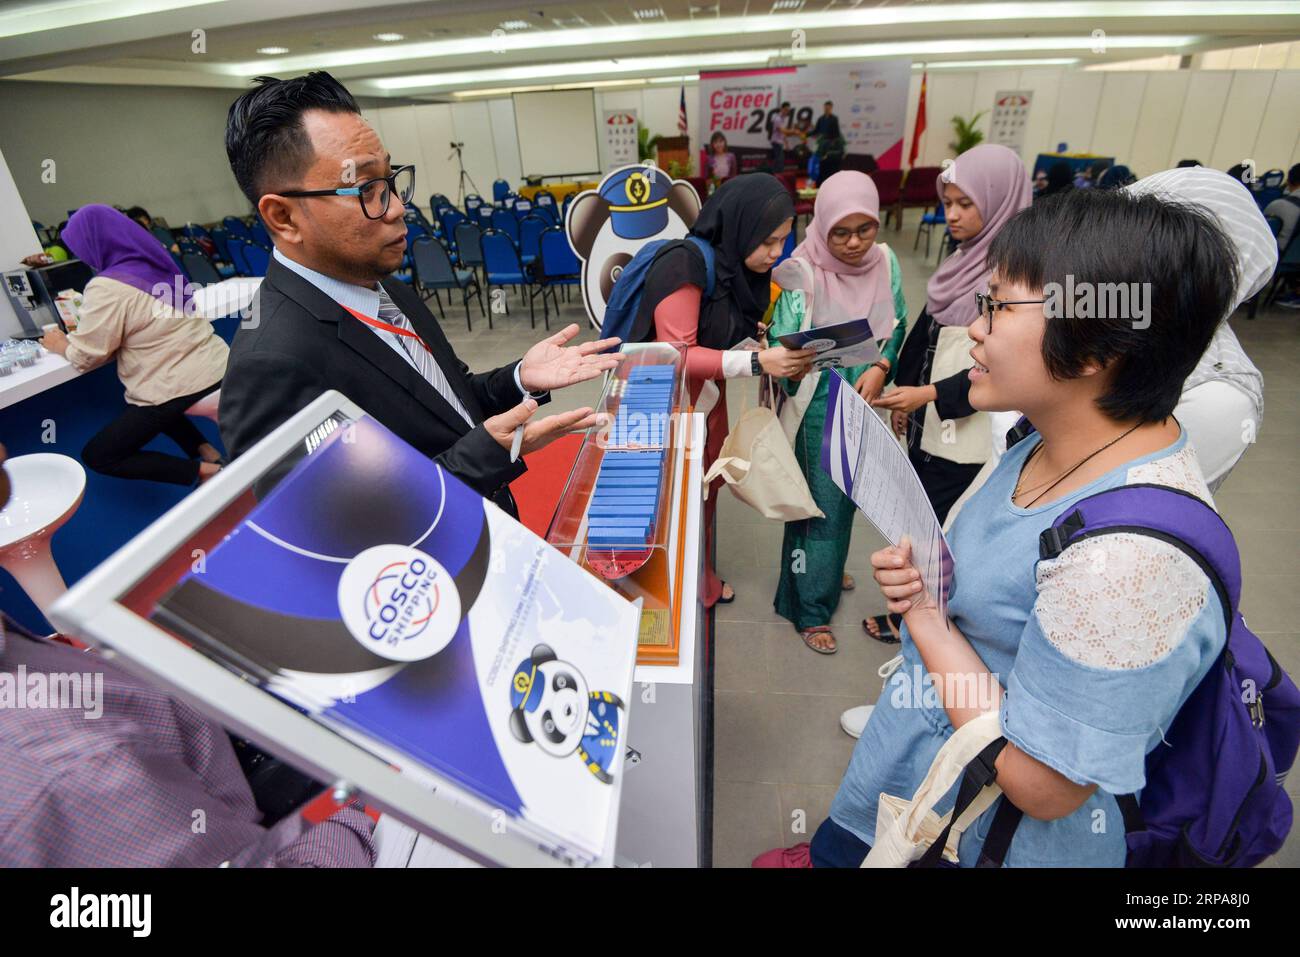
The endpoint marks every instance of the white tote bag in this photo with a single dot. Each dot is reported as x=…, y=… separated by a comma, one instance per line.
x=906, y=829
x=756, y=460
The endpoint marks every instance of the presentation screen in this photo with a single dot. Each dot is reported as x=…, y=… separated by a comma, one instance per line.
x=557, y=132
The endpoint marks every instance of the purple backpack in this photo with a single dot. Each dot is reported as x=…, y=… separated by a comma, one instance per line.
x=1213, y=794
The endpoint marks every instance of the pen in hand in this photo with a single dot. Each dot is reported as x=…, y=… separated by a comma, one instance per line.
x=516, y=444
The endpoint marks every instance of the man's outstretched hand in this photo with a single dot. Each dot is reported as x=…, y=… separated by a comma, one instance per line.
x=552, y=365
x=542, y=432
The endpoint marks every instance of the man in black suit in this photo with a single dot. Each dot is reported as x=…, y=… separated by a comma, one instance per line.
x=329, y=315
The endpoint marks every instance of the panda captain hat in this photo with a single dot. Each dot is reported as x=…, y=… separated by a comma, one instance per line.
x=638, y=201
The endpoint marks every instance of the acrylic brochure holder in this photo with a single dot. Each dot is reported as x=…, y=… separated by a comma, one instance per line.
x=623, y=505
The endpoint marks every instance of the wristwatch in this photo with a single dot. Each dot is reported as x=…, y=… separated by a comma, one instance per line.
x=754, y=367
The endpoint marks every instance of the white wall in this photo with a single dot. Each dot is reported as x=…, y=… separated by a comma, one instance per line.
x=1148, y=120
x=157, y=147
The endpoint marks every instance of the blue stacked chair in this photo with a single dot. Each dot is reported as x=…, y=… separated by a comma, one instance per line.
x=221, y=240
x=163, y=235
x=200, y=268
x=545, y=204
x=504, y=221
x=259, y=234
x=929, y=222
x=502, y=266
x=530, y=238
x=472, y=202
x=469, y=245
x=558, y=265
x=237, y=227
x=434, y=271
x=257, y=258
x=449, y=218
x=500, y=189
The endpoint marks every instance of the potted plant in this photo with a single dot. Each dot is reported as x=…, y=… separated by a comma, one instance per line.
x=967, y=135
x=645, y=143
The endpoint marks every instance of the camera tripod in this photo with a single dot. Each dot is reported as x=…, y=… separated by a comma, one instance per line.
x=464, y=176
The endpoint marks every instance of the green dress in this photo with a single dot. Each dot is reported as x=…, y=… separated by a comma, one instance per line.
x=814, y=550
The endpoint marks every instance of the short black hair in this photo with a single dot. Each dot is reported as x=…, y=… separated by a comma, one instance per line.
x=784, y=104
x=265, y=139
x=828, y=103
x=1103, y=237
x=1293, y=175
x=136, y=212
x=1183, y=164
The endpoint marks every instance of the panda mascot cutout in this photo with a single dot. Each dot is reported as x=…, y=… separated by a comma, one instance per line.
x=606, y=226
x=552, y=707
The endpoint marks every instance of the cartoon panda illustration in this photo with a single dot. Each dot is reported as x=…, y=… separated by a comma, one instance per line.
x=606, y=226
x=552, y=707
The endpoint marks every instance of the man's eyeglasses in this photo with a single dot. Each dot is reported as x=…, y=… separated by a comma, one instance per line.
x=374, y=194
x=987, y=305
x=841, y=236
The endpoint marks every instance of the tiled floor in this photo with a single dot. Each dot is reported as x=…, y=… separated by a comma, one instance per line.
x=779, y=751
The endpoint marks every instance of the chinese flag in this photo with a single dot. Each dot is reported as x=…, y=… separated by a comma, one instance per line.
x=919, y=128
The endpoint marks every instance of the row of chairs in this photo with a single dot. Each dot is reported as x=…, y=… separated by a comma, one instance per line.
x=495, y=255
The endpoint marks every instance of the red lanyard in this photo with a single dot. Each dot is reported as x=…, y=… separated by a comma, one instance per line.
x=396, y=330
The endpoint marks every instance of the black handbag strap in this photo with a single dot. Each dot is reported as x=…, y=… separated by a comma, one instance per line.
x=979, y=774
x=1005, y=821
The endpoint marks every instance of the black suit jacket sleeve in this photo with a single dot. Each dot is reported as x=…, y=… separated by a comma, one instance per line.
x=284, y=385
x=496, y=390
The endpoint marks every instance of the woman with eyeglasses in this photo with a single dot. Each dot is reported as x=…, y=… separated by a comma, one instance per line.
x=1087, y=656
x=838, y=273
x=137, y=312
x=947, y=440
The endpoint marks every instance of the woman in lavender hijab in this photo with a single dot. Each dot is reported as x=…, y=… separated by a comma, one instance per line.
x=948, y=441
x=137, y=311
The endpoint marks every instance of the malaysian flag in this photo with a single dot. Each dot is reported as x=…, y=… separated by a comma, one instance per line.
x=681, y=113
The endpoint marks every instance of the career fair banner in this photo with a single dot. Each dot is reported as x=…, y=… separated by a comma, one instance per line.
x=870, y=100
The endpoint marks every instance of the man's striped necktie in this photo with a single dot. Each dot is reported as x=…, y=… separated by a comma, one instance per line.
x=420, y=355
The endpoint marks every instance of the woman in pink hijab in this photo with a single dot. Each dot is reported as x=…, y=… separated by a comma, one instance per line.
x=837, y=274
x=948, y=441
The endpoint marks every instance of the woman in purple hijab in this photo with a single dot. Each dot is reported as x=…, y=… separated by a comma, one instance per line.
x=137, y=310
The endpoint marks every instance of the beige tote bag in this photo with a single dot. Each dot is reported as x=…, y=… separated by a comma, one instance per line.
x=756, y=460
x=906, y=829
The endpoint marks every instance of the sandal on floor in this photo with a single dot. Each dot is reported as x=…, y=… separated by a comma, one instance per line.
x=819, y=630
x=726, y=601
x=848, y=584
x=883, y=635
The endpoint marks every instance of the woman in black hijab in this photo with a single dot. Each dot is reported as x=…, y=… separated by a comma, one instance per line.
x=746, y=222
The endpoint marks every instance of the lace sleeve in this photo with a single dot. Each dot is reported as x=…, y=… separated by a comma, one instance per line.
x=1119, y=601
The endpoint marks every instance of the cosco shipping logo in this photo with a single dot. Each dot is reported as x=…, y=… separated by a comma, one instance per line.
x=399, y=602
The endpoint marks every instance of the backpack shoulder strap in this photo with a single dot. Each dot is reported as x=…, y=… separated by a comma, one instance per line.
x=706, y=250
x=1023, y=429
x=1161, y=512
